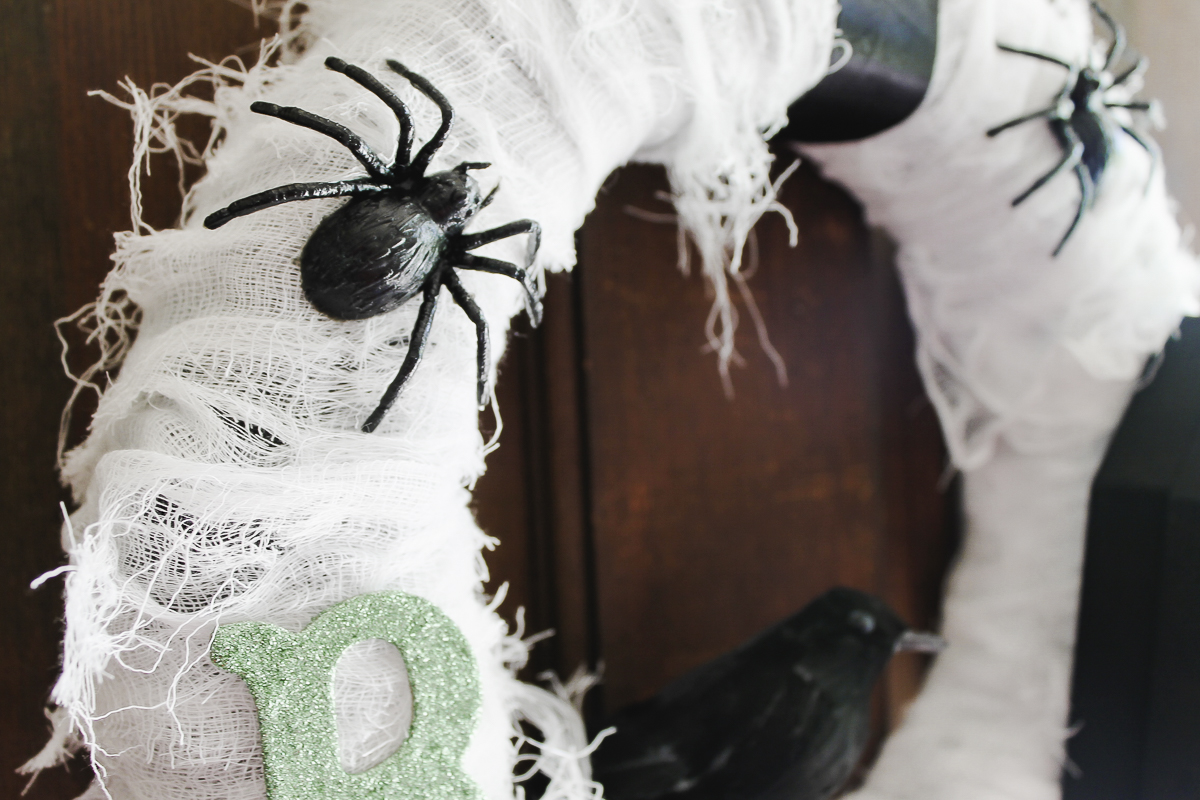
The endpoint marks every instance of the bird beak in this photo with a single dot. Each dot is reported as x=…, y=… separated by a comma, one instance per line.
x=920, y=642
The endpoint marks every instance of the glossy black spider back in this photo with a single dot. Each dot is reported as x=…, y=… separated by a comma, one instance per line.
x=370, y=256
x=401, y=233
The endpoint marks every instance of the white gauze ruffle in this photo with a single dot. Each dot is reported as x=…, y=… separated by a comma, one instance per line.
x=225, y=477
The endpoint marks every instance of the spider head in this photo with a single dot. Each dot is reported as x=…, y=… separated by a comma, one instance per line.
x=1088, y=90
x=453, y=197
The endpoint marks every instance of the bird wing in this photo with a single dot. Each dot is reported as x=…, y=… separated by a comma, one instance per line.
x=806, y=751
x=771, y=733
x=673, y=743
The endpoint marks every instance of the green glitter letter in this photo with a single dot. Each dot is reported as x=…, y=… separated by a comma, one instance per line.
x=291, y=678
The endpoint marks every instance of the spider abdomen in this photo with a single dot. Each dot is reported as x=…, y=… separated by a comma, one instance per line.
x=370, y=256
x=1092, y=130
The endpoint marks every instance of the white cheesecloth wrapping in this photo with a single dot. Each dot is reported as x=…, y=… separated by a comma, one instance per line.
x=225, y=477
x=1029, y=359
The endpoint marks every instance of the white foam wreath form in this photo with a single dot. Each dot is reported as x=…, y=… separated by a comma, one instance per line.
x=1029, y=360
x=188, y=519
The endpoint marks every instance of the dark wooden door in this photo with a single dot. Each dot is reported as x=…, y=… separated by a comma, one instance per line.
x=665, y=523
x=648, y=519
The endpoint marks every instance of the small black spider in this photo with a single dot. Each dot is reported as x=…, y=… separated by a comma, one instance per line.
x=1081, y=120
x=402, y=233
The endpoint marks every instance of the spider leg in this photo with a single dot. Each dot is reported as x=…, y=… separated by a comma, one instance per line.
x=487, y=201
x=286, y=194
x=1086, y=197
x=1034, y=54
x=421, y=162
x=1117, y=48
x=483, y=349
x=380, y=90
x=1135, y=106
x=1138, y=67
x=416, y=349
x=1073, y=158
x=470, y=241
x=1052, y=111
x=498, y=267
x=339, y=133
x=1150, y=147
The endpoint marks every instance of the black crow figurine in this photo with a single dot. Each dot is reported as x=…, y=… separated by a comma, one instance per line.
x=783, y=717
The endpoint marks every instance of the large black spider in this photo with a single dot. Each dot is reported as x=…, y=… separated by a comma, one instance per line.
x=1081, y=119
x=402, y=233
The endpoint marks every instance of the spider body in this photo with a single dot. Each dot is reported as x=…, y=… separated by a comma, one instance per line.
x=1082, y=120
x=401, y=233
x=375, y=253
x=1090, y=123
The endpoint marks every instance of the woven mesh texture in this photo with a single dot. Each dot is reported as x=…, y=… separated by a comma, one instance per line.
x=225, y=477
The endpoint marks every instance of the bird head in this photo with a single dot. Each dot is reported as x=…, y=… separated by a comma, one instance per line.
x=850, y=635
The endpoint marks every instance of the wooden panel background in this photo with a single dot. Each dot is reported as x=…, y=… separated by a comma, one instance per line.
x=646, y=518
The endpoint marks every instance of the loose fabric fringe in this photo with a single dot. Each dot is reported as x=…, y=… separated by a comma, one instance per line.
x=225, y=477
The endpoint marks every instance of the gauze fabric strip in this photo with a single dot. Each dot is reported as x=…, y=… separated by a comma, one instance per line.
x=1030, y=360
x=224, y=477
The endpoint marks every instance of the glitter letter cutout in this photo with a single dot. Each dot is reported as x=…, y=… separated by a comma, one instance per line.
x=291, y=678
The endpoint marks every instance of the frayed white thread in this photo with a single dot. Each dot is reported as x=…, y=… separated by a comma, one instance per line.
x=563, y=752
x=723, y=317
x=64, y=743
x=845, y=51
x=54, y=573
x=728, y=215
x=109, y=324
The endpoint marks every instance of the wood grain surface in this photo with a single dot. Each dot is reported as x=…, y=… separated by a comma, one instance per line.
x=63, y=164
x=649, y=520
x=716, y=517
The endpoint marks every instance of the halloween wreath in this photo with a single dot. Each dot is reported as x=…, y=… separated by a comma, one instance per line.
x=276, y=481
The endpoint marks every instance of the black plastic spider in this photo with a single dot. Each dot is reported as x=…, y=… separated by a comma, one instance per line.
x=402, y=233
x=1081, y=120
